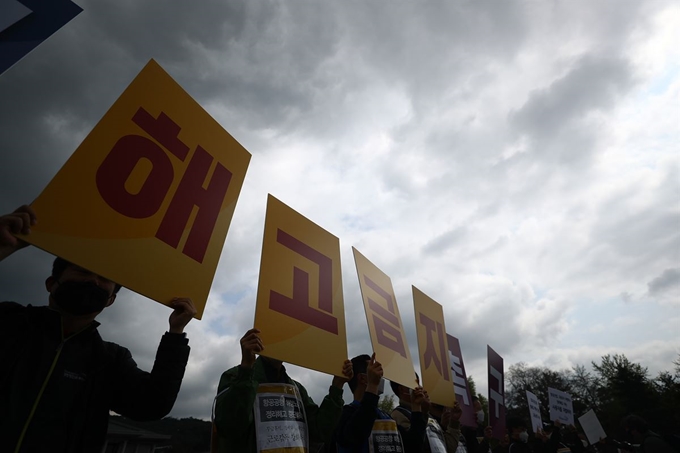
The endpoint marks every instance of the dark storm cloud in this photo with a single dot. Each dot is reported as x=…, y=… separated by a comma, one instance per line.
x=243, y=55
x=667, y=282
x=593, y=83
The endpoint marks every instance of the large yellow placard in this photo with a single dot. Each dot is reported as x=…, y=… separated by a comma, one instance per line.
x=300, y=310
x=432, y=348
x=384, y=322
x=147, y=198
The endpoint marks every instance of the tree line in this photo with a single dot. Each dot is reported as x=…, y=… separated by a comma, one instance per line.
x=615, y=388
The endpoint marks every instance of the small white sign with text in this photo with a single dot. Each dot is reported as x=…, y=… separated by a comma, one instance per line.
x=561, y=407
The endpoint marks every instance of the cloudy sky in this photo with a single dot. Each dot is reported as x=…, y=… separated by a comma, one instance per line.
x=517, y=161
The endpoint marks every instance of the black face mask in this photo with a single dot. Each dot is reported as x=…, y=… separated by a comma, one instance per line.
x=80, y=298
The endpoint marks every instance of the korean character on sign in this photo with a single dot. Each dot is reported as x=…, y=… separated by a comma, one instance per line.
x=459, y=382
x=298, y=306
x=430, y=355
x=385, y=319
x=117, y=167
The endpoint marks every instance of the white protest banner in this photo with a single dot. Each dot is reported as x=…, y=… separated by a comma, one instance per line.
x=561, y=407
x=534, y=411
x=592, y=427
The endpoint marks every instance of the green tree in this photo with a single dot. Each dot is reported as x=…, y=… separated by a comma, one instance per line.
x=584, y=390
x=624, y=388
x=471, y=386
x=537, y=380
x=386, y=403
x=667, y=387
x=615, y=388
x=482, y=399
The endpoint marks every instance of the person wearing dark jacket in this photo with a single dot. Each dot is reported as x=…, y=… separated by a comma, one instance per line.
x=58, y=378
x=551, y=439
x=481, y=431
x=259, y=384
x=361, y=421
x=638, y=432
x=411, y=416
x=519, y=437
x=447, y=430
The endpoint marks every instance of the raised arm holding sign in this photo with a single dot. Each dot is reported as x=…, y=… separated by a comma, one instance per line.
x=56, y=353
x=300, y=319
x=258, y=398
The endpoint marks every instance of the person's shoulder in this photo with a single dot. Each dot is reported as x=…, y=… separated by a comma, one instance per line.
x=657, y=442
x=233, y=375
x=399, y=416
x=230, y=374
x=231, y=371
x=401, y=411
x=8, y=308
x=111, y=350
x=351, y=407
x=13, y=319
x=111, y=346
x=301, y=388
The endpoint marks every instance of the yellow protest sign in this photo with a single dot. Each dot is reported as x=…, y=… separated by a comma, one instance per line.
x=147, y=198
x=384, y=322
x=300, y=310
x=433, y=349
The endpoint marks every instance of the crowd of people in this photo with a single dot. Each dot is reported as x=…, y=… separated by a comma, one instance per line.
x=59, y=380
x=416, y=425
